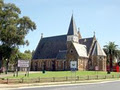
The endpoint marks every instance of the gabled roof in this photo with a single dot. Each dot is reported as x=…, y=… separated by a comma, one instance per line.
x=49, y=47
x=81, y=50
x=88, y=42
x=72, y=27
x=97, y=50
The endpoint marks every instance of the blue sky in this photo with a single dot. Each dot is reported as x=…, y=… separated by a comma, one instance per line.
x=52, y=18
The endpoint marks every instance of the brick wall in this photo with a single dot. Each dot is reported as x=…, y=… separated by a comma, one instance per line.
x=100, y=62
x=83, y=64
x=40, y=64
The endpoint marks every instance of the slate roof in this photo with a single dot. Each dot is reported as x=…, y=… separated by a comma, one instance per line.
x=61, y=54
x=49, y=47
x=87, y=42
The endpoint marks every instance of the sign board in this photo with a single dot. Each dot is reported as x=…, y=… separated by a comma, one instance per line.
x=73, y=65
x=96, y=68
x=23, y=63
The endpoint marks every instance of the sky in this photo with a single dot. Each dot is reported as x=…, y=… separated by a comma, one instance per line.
x=52, y=18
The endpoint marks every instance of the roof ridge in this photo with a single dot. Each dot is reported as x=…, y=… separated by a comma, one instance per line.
x=54, y=36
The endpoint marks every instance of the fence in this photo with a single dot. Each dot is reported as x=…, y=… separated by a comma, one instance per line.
x=58, y=79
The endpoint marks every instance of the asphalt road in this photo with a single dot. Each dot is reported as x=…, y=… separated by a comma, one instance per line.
x=99, y=86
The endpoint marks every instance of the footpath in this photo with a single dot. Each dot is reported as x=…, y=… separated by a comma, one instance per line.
x=17, y=86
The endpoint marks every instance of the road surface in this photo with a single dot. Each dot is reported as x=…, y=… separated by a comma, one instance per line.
x=115, y=85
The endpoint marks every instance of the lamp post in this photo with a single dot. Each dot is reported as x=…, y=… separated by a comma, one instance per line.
x=16, y=65
x=6, y=66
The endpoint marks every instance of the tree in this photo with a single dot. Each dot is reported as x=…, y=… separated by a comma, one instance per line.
x=27, y=51
x=112, y=51
x=25, y=56
x=13, y=28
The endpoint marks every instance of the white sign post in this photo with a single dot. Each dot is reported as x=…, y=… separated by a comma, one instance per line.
x=24, y=64
x=73, y=66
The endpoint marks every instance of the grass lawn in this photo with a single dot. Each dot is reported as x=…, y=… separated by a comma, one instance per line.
x=62, y=74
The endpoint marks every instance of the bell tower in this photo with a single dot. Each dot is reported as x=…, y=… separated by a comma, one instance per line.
x=72, y=35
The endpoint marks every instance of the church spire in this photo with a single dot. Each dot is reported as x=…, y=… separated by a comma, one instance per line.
x=72, y=34
x=72, y=27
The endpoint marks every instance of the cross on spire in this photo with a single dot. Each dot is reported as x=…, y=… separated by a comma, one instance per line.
x=94, y=33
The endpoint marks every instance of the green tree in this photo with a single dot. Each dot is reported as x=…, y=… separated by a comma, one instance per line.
x=13, y=28
x=27, y=51
x=25, y=56
x=112, y=51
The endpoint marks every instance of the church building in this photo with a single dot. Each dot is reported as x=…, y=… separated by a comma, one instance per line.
x=55, y=53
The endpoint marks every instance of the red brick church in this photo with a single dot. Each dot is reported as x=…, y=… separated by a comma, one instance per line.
x=55, y=53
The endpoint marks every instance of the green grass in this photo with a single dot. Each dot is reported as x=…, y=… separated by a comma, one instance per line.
x=61, y=74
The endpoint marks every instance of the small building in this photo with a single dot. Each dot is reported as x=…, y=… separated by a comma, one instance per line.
x=55, y=53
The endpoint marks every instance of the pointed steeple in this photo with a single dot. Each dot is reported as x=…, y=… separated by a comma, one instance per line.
x=72, y=27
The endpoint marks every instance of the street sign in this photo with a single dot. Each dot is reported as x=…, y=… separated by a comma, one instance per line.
x=73, y=65
x=23, y=63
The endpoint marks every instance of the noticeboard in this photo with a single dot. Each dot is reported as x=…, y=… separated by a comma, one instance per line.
x=23, y=63
x=73, y=65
